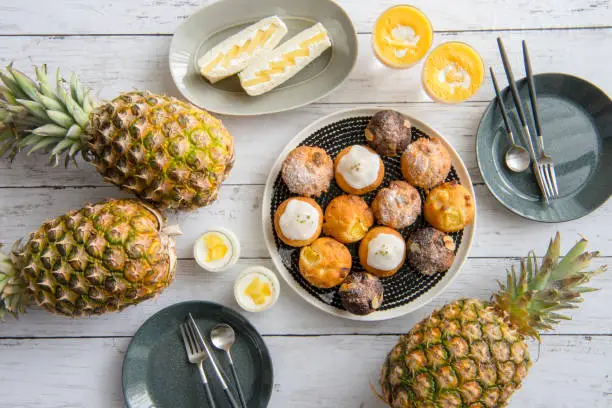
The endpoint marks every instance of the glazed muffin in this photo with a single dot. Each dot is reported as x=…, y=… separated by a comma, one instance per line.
x=397, y=206
x=325, y=263
x=382, y=251
x=347, y=218
x=430, y=251
x=308, y=171
x=425, y=163
x=298, y=221
x=358, y=169
x=361, y=293
x=449, y=207
x=388, y=132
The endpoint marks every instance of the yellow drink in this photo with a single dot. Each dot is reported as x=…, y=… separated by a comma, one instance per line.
x=452, y=72
x=402, y=36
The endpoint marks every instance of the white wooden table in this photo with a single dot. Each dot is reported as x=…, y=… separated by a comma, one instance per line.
x=319, y=360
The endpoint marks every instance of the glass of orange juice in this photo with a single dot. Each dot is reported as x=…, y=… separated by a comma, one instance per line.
x=402, y=35
x=452, y=72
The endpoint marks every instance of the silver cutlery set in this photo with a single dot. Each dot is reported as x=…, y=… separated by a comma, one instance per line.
x=198, y=350
x=517, y=158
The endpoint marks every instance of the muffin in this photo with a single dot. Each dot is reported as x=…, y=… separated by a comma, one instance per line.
x=308, y=171
x=382, y=251
x=325, y=263
x=347, y=218
x=425, y=163
x=361, y=293
x=298, y=221
x=449, y=207
x=359, y=170
x=388, y=132
x=397, y=206
x=430, y=251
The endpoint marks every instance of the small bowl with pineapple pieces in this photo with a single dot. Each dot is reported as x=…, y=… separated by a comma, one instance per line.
x=407, y=288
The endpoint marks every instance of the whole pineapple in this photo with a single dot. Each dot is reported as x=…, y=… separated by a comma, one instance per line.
x=165, y=151
x=101, y=258
x=472, y=353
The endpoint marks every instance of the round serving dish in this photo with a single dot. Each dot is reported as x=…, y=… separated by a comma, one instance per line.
x=407, y=290
x=221, y=19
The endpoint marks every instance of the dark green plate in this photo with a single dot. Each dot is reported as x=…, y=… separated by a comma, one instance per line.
x=156, y=372
x=576, y=119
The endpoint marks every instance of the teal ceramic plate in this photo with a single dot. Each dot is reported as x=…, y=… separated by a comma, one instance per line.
x=219, y=20
x=156, y=372
x=576, y=119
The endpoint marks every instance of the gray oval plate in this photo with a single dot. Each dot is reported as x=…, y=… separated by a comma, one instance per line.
x=219, y=20
x=576, y=119
x=156, y=372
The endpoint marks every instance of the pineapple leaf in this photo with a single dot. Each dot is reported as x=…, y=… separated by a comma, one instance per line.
x=61, y=119
x=532, y=301
x=50, y=103
x=50, y=129
x=35, y=110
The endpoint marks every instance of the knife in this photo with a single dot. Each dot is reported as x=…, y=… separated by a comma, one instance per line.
x=215, y=365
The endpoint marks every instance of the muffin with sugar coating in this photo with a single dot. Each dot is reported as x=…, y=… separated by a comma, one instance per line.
x=430, y=251
x=397, y=206
x=308, y=171
x=425, y=163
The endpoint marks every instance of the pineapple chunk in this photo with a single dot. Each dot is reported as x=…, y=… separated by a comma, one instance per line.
x=216, y=248
x=258, y=291
x=310, y=256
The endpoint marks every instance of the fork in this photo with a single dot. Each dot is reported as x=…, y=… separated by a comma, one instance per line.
x=540, y=171
x=545, y=160
x=196, y=356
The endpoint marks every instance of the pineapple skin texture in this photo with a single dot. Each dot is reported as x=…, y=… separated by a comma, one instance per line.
x=463, y=355
x=165, y=151
x=101, y=258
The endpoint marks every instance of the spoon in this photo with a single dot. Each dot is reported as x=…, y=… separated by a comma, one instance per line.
x=223, y=337
x=517, y=158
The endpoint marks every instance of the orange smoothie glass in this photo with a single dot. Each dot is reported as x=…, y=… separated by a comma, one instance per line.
x=452, y=72
x=402, y=35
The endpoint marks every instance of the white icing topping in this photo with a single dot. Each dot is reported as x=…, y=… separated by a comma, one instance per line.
x=385, y=252
x=299, y=221
x=455, y=76
x=359, y=167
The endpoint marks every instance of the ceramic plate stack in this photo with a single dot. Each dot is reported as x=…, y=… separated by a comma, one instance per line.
x=408, y=289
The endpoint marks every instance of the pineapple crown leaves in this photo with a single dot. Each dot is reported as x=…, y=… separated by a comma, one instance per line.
x=534, y=297
x=35, y=115
x=13, y=296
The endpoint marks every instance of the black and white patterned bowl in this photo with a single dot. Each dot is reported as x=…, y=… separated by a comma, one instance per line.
x=408, y=289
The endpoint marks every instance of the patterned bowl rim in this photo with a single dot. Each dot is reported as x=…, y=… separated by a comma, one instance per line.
x=434, y=291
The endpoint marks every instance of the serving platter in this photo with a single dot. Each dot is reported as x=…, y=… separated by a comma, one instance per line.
x=408, y=289
x=215, y=22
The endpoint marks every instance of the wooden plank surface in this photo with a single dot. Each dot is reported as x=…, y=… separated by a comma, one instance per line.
x=320, y=361
x=334, y=371
x=109, y=69
x=293, y=316
x=499, y=233
x=163, y=16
